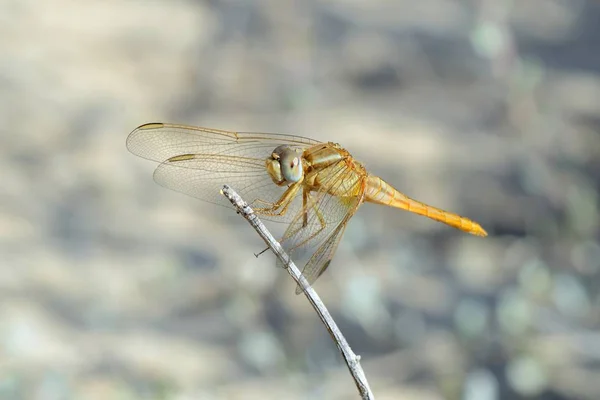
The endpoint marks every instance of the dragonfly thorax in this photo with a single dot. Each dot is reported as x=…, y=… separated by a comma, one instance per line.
x=285, y=165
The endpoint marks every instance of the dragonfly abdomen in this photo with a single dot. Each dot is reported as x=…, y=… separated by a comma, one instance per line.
x=380, y=192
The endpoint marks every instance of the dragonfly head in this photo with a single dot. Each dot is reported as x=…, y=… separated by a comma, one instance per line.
x=285, y=165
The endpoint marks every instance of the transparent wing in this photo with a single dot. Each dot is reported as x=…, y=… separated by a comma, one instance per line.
x=319, y=227
x=159, y=142
x=199, y=161
x=321, y=259
x=322, y=212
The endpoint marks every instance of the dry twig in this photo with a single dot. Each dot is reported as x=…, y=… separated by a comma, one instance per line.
x=351, y=359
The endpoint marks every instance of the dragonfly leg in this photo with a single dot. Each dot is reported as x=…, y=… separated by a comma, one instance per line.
x=282, y=204
x=305, y=195
x=317, y=211
x=308, y=203
x=319, y=216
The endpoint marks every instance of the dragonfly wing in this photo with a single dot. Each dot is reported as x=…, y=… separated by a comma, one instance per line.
x=321, y=258
x=319, y=225
x=199, y=161
x=204, y=177
x=159, y=142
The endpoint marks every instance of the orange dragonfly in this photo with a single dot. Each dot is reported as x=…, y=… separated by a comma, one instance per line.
x=312, y=186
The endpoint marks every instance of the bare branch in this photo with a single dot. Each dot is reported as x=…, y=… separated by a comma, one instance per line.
x=351, y=359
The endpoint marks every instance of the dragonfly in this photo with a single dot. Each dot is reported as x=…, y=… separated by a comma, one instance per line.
x=313, y=187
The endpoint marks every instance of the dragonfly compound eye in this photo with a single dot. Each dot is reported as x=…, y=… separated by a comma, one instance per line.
x=290, y=163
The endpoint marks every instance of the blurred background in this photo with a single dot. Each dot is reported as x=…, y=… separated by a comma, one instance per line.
x=112, y=287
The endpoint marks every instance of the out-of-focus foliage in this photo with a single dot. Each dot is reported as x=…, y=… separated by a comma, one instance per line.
x=113, y=288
